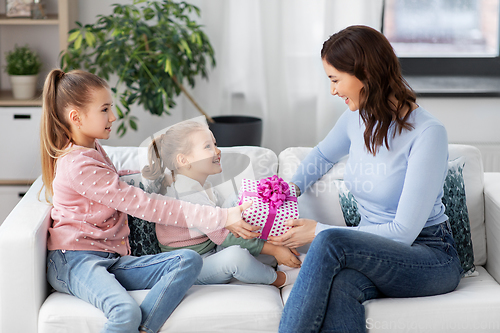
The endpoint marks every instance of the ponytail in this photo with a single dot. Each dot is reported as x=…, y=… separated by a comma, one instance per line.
x=60, y=91
x=155, y=168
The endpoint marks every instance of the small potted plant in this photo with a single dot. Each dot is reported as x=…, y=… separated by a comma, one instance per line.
x=23, y=67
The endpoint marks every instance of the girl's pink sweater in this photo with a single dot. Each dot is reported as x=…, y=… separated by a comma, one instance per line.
x=90, y=206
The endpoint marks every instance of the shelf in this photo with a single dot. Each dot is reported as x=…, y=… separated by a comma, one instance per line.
x=16, y=182
x=455, y=86
x=51, y=20
x=6, y=99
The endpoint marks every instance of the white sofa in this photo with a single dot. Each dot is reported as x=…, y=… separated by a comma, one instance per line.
x=26, y=305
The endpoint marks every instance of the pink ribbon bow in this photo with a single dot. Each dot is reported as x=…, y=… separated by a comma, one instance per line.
x=273, y=190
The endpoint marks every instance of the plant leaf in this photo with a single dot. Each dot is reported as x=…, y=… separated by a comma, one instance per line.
x=121, y=130
x=119, y=112
x=186, y=48
x=78, y=42
x=168, y=67
x=74, y=35
x=90, y=38
x=133, y=124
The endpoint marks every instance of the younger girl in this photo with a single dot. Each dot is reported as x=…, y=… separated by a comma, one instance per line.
x=190, y=151
x=88, y=240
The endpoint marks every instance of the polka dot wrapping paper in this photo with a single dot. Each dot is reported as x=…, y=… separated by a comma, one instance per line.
x=264, y=213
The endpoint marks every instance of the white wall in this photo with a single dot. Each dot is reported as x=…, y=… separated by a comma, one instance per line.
x=468, y=120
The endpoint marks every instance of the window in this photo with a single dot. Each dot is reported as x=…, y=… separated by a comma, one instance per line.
x=444, y=37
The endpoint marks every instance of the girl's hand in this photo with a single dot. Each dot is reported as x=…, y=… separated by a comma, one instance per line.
x=286, y=256
x=302, y=233
x=237, y=225
x=283, y=255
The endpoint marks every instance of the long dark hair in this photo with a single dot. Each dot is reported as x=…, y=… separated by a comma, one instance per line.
x=366, y=53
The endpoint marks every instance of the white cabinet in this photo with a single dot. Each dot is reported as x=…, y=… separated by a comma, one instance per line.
x=9, y=197
x=19, y=144
x=20, y=154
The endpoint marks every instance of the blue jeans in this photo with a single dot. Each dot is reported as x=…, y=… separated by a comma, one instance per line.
x=344, y=268
x=102, y=279
x=237, y=262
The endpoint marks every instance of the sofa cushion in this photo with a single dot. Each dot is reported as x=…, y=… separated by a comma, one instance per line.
x=208, y=308
x=472, y=307
x=142, y=237
x=348, y=204
x=474, y=187
x=454, y=199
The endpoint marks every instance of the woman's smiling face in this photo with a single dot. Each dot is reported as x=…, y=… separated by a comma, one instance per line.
x=344, y=85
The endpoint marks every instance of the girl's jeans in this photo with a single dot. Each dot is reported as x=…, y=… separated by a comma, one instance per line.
x=344, y=268
x=237, y=262
x=103, y=279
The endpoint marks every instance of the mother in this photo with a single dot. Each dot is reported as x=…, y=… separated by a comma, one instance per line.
x=397, y=164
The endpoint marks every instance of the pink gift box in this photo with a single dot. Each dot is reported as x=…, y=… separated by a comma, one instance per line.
x=274, y=202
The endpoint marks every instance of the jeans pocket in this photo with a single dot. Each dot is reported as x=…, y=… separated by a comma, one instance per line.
x=58, y=271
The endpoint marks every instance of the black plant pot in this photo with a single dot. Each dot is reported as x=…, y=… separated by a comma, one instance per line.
x=237, y=131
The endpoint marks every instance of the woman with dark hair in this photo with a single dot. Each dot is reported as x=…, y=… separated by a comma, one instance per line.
x=398, y=152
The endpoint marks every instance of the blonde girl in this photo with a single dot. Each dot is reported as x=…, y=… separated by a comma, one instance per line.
x=88, y=249
x=189, y=150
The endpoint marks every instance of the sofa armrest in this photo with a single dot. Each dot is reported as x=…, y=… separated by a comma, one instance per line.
x=492, y=221
x=23, y=247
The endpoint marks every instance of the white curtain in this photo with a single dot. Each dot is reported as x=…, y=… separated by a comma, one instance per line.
x=269, y=66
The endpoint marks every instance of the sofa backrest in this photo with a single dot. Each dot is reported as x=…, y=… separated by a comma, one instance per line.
x=237, y=163
x=321, y=201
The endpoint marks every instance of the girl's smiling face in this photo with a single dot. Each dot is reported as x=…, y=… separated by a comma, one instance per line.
x=344, y=85
x=95, y=121
x=204, y=158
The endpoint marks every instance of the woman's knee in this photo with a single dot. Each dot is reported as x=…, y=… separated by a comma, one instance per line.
x=354, y=284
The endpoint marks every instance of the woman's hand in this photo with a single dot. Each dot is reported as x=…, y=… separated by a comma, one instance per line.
x=237, y=225
x=297, y=189
x=302, y=233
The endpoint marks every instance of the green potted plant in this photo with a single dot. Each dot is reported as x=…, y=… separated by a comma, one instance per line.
x=23, y=67
x=152, y=47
